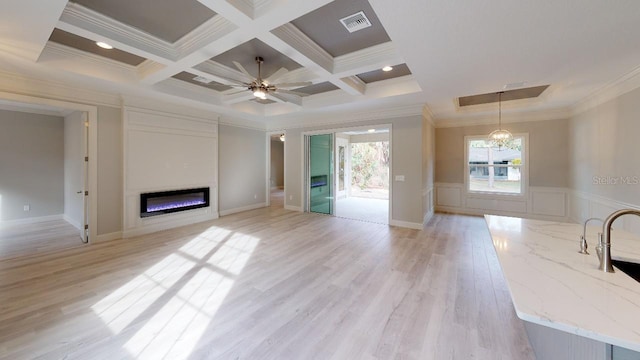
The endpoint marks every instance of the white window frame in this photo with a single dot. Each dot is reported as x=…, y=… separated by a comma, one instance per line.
x=524, y=170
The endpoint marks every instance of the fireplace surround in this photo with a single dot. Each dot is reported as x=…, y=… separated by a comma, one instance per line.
x=165, y=202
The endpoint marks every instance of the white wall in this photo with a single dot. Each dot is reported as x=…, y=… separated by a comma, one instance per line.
x=73, y=168
x=31, y=165
x=167, y=151
x=242, y=169
x=605, y=166
x=406, y=160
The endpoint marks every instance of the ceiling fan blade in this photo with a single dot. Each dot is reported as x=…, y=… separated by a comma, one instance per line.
x=294, y=85
x=230, y=81
x=278, y=98
x=235, y=92
x=276, y=75
x=243, y=70
x=289, y=92
x=288, y=98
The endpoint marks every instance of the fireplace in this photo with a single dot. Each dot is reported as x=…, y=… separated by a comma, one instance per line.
x=164, y=202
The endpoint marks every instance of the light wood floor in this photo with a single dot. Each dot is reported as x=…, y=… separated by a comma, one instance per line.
x=266, y=284
x=18, y=240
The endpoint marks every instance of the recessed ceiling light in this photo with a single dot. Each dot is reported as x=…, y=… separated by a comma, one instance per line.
x=104, y=45
x=387, y=68
x=371, y=130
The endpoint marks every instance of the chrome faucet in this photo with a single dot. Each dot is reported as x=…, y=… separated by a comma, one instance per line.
x=604, y=244
x=583, y=238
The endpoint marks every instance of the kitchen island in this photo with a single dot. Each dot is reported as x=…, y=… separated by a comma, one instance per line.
x=571, y=309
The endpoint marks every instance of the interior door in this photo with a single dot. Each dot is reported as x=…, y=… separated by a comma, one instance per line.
x=320, y=174
x=84, y=228
x=342, y=167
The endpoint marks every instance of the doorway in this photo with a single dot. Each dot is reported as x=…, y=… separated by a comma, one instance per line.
x=53, y=137
x=275, y=162
x=347, y=173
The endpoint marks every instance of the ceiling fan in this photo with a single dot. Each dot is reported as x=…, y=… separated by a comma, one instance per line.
x=264, y=88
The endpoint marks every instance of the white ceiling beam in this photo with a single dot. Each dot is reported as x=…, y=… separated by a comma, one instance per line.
x=26, y=26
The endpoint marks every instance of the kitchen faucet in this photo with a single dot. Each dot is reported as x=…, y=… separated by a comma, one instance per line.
x=604, y=244
x=583, y=238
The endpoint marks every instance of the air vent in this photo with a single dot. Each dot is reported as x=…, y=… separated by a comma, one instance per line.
x=488, y=98
x=202, y=79
x=355, y=22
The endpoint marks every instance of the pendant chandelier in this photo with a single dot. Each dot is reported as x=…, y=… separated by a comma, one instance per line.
x=500, y=137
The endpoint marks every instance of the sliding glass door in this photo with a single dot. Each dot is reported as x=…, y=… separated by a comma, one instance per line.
x=320, y=173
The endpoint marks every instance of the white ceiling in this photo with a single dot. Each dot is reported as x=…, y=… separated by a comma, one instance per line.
x=452, y=48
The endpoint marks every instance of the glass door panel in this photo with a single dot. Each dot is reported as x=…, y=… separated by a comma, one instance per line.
x=321, y=173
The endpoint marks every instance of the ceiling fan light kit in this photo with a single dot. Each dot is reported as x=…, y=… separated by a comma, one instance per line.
x=263, y=88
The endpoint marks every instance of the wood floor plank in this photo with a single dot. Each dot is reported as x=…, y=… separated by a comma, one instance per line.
x=265, y=284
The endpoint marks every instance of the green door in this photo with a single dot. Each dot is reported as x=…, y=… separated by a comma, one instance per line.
x=320, y=179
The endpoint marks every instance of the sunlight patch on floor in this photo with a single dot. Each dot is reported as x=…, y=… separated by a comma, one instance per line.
x=200, y=275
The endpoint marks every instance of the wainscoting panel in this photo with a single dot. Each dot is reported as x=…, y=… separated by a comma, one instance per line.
x=545, y=203
x=449, y=195
x=584, y=205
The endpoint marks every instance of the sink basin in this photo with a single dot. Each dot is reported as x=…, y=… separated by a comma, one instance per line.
x=629, y=268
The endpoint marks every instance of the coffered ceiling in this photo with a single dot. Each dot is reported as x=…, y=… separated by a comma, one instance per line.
x=197, y=52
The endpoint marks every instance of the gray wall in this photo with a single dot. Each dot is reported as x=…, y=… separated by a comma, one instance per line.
x=242, y=167
x=109, y=170
x=277, y=163
x=548, y=151
x=428, y=165
x=31, y=165
x=406, y=160
x=603, y=144
x=73, y=168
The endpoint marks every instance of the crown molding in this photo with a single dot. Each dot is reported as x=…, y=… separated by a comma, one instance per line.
x=149, y=67
x=544, y=115
x=20, y=84
x=371, y=58
x=428, y=115
x=296, y=39
x=351, y=84
x=91, y=24
x=210, y=31
x=614, y=89
x=244, y=6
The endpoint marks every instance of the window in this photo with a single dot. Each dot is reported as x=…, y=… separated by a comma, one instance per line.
x=496, y=170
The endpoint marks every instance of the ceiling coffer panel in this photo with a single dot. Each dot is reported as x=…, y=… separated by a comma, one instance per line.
x=324, y=27
x=378, y=75
x=168, y=20
x=507, y=95
x=84, y=44
x=246, y=54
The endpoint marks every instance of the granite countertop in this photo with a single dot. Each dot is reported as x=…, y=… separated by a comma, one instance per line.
x=553, y=285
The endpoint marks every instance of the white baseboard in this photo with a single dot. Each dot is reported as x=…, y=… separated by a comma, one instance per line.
x=427, y=218
x=110, y=236
x=32, y=220
x=243, y=208
x=406, y=224
x=293, y=208
x=76, y=224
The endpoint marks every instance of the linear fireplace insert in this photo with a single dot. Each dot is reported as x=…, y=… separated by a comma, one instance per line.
x=164, y=202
